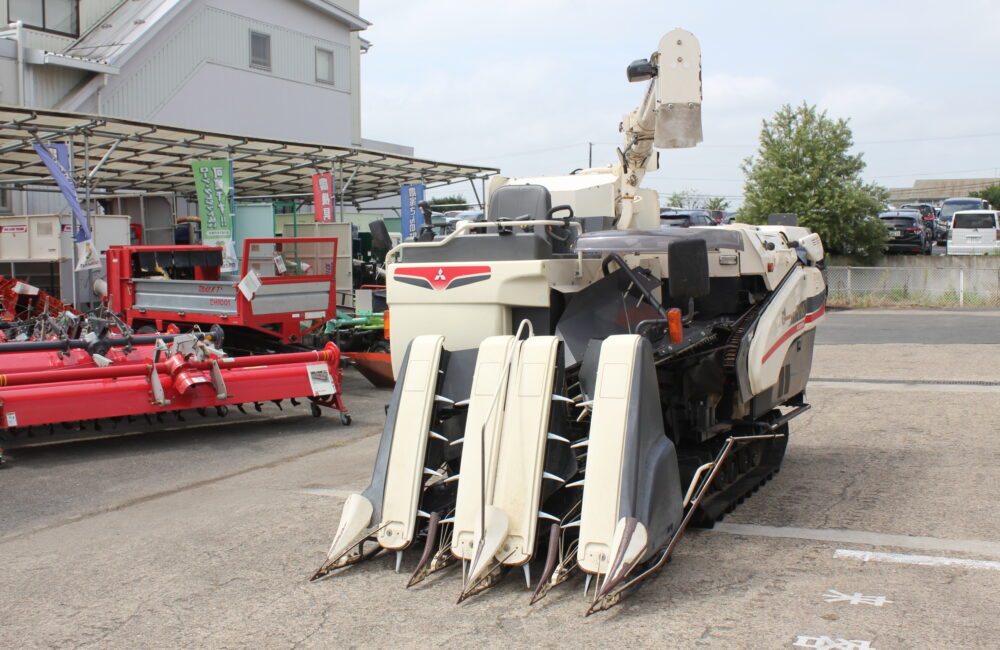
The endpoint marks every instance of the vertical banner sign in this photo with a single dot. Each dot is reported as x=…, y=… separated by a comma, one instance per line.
x=410, y=216
x=213, y=180
x=56, y=160
x=323, y=197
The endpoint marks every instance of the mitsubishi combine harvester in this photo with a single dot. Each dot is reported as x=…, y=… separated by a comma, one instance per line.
x=575, y=384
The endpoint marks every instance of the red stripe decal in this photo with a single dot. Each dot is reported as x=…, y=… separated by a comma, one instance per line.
x=439, y=277
x=794, y=329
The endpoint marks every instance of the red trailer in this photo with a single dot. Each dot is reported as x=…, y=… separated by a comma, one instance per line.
x=276, y=294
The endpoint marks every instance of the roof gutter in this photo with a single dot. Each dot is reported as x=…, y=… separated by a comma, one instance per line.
x=355, y=22
x=40, y=57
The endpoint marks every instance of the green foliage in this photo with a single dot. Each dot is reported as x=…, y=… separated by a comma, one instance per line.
x=685, y=199
x=445, y=203
x=803, y=166
x=991, y=194
x=716, y=203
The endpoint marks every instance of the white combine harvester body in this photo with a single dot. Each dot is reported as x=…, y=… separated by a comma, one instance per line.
x=575, y=381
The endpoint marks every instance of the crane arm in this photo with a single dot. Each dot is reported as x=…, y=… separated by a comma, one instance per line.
x=669, y=116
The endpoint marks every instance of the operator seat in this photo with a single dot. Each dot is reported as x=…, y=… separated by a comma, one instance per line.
x=519, y=202
x=528, y=202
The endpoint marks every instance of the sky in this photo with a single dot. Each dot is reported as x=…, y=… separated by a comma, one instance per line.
x=525, y=85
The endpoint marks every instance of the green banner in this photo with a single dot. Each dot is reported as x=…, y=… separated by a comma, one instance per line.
x=213, y=180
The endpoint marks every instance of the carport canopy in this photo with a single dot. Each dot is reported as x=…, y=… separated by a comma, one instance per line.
x=119, y=155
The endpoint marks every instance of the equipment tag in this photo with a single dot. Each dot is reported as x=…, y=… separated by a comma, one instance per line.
x=12, y=419
x=320, y=379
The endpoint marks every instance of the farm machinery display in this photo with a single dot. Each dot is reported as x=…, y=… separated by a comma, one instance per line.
x=575, y=386
x=131, y=361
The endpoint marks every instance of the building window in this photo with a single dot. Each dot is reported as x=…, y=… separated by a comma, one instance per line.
x=56, y=16
x=260, y=50
x=324, y=66
x=5, y=207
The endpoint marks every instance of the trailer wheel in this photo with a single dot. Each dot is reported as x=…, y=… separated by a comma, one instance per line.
x=314, y=409
x=345, y=419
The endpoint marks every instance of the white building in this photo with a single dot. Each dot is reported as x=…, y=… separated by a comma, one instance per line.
x=281, y=69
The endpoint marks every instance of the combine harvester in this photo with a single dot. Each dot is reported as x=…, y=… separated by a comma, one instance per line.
x=575, y=385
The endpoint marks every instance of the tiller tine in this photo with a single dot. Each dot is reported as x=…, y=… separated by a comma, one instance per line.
x=558, y=565
x=437, y=552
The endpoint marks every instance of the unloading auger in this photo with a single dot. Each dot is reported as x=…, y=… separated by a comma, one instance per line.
x=576, y=385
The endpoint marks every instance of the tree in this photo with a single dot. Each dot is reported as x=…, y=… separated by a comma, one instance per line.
x=445, y=203
x=802, y=166
x=685, y=199
x=716, y=203
x=991, y=194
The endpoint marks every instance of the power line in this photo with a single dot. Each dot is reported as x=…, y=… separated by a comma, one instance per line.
x=954, y=171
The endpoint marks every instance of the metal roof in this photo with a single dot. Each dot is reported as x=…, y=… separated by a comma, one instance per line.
x=108, y=39
x=113, y=154
x=936, y=190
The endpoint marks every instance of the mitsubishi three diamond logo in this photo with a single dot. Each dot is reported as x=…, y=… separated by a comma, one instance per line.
x=441, y=278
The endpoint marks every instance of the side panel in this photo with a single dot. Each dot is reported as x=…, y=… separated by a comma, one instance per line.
x=405, y=471
x=522, y=446
x=794, y=309
x=631, y=464
x=605, y=453
x=482, y=435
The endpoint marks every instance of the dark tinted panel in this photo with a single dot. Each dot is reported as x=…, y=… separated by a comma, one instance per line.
x=901, y=222
x=951, y=207
x=974, y=221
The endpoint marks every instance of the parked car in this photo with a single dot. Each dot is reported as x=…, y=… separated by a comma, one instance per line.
x=950, y=206
x=685, y=219
x=974, y=232
x=718, y=216
x=939, y=229
x=908, y=232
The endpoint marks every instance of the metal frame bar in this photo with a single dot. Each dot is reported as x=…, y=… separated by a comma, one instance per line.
x=261, y=166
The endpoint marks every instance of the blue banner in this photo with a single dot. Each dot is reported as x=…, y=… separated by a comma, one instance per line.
x=59, y=167
x=411, y=218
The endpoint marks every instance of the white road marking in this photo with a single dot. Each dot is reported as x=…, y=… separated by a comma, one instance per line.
x=905, y=387
x=973, y=546
x=327, y=492
x=828, y=643
x=834, y=596
x=921, y=560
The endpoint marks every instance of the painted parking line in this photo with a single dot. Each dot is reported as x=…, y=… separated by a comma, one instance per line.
x=920, y=560
x=823, y=642
x=972, y=546
x=912, y=387
x=857, y=598
x=327, y=492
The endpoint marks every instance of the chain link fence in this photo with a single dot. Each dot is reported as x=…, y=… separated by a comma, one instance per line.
x=865, y=286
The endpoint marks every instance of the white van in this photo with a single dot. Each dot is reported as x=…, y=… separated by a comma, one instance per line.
x=974, y=232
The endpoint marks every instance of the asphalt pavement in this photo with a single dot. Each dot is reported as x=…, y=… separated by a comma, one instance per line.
x=910, y=326
x=879, y=531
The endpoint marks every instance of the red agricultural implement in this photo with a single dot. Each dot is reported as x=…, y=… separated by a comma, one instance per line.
x=277, y=299
x=19, y=300
x=80, y=383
